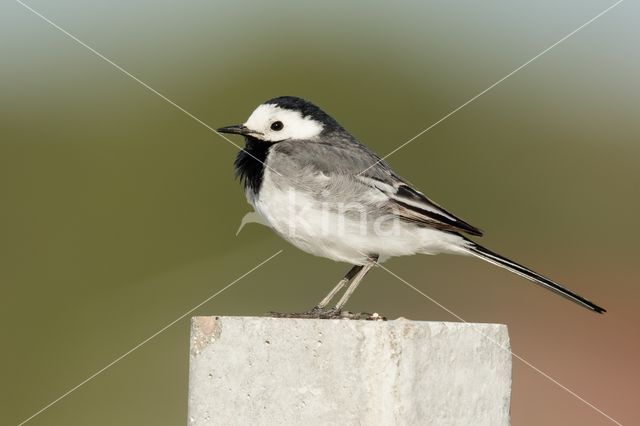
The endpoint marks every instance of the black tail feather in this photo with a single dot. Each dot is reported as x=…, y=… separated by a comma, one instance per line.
x=492, y=257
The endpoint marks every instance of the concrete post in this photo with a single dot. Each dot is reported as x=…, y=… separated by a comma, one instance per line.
x=276, y=371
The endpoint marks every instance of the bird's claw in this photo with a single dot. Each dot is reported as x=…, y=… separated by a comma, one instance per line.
x=329, y=313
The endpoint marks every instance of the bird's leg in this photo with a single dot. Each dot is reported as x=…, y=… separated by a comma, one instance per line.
x=320, y=311
x=355, y=281
x=348, y=277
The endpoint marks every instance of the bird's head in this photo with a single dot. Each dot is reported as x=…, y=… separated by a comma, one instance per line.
x=285, y=118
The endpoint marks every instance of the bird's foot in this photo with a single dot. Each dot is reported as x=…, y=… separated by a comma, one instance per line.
x=316, y=312
x=330, y=313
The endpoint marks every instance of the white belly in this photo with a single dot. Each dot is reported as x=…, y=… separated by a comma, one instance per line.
x=325, y=230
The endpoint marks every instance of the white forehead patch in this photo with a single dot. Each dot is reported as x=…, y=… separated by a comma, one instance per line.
x=294, y=125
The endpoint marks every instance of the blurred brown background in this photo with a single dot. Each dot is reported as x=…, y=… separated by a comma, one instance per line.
x=119, y=212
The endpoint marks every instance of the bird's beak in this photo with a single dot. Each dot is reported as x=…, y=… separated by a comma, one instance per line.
x=238, y=129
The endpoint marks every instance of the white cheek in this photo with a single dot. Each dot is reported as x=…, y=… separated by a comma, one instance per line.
x=298, y=128
x=295, y=126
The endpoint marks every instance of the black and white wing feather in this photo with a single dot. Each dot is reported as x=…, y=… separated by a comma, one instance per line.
x=412, y=205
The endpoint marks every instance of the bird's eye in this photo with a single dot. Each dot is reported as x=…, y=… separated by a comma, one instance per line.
x=277, y=126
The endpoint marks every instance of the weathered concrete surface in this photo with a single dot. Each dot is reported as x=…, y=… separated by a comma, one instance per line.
x=249, y=370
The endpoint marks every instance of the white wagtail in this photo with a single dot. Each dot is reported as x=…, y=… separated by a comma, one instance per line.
x=325, y=192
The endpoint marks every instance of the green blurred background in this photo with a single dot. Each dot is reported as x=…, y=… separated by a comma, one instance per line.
x=119, y=212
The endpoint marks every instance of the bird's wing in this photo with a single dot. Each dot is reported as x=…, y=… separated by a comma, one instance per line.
x=345, y=157
x=412, y=205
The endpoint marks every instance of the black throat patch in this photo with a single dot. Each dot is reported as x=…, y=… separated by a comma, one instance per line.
x=250, y=161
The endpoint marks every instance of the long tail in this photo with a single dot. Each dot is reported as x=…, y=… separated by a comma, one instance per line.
x=491, y=257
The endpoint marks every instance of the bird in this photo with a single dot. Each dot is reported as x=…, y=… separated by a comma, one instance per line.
x=321, y=189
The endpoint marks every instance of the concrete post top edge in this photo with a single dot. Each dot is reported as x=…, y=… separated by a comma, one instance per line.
x=399, y=320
